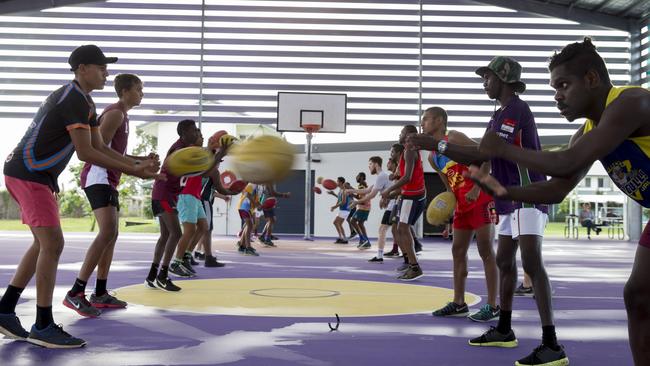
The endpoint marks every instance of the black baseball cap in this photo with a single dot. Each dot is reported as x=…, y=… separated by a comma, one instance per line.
x=88, y=54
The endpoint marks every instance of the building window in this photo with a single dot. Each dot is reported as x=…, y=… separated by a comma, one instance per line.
x=587, y=182
x=601, y=182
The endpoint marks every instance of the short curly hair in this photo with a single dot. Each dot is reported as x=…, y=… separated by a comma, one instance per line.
x=579, y=58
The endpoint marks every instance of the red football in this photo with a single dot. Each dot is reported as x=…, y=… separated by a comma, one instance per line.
x=329, y=184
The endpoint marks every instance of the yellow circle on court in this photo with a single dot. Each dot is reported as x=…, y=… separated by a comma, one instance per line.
x=294, y=297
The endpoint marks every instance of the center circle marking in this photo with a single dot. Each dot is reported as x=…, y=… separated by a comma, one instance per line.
x=286, y=293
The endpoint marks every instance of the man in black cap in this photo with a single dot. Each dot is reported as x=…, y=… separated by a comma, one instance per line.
x=66, y=122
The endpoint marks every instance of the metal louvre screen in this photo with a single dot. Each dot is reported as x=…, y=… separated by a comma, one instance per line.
x=369, y=50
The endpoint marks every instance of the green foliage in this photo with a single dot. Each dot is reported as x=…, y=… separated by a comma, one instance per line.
x=133, y=186
x=562, y=209
x=73, y=203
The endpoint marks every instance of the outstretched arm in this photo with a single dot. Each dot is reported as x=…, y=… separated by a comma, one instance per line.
x=619, y=121
x=465, y=154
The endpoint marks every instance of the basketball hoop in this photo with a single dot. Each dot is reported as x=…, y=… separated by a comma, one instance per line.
x=311, y=128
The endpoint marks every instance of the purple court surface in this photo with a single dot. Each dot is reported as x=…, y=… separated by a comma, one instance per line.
x=587, y=278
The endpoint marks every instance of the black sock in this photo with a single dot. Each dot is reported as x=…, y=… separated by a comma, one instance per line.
x=548, y=337
x=163, y=272
x=153, y=271
x=504, y=325
x=43, y=317
x=100, y=287
x=79, y=286
x=10, y=299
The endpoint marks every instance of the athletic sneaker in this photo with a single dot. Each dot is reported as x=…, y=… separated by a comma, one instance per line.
x=79, y=304
x=251, y=251
x=340, y=241
x=411, y=274
x=392, y=254
x=53, y=336
x=352, y=235
x=418, y=247
x=200, y=256
x=544, y=355
x=166, y=285
x=241, y=249
x=178, y=269
x=187, y=263
x=452, y=310
x=273, y=237
x=107, y=301
x=190, y=259
x=268, y=243
x=365, y=245
x=11, y=328
x=376, y=260
x=211, y=261
x=524, y=291
x=492, y=338
x=402, y=268
x=150, y=284
x=486, y=313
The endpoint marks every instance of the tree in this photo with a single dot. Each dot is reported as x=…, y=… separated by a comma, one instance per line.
x=136, y=187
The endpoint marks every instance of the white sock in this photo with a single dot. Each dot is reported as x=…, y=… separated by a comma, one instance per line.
x=380, y=253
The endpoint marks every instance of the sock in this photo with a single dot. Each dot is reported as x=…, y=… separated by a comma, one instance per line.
x=163, y=272
x=43, y=317
x=504, y=321
x=548, y=337
x=380, y=253
x=153, y=271
x=100, y=287
x=10, y=299
x=79, y=286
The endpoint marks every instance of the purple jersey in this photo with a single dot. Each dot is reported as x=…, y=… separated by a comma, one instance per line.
x=168, y=190
x=515, y=123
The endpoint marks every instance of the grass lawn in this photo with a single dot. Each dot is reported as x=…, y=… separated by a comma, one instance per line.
x=84, y=224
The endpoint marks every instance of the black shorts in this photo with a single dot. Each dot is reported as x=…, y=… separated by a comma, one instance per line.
x=386, y=219
x=410, y=209
x=102, y=195
x=207, y=206
x=351, y=214
x=159, y=207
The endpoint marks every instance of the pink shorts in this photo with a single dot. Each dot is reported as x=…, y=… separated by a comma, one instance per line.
x=645, y=236
x=37, y=202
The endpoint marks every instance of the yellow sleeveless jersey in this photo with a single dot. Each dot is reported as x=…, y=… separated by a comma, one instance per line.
x=629, y=164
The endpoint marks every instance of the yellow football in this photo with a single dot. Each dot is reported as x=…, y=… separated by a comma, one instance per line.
x=189, y=161
x=262, y=159
x=441, y=208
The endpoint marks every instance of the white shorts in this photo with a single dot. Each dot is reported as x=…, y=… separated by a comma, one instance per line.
x=344, y=214
x=523, y=221
x=258, y=213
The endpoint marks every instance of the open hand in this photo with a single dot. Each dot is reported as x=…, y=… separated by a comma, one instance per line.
x=420, y=141
x=487, y=182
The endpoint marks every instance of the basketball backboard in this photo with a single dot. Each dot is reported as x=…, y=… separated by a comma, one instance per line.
x=298, y=109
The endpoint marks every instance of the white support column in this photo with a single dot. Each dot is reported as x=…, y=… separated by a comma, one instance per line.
x=633, y=227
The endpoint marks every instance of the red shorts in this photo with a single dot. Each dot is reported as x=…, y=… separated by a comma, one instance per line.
x=244, y=214
x=645, y=236
x=38, y=206
x=475, y=218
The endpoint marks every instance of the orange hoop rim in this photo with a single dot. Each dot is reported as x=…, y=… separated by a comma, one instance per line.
x=311, y=128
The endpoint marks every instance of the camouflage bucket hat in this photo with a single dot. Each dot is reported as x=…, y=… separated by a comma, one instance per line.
x=507, y=70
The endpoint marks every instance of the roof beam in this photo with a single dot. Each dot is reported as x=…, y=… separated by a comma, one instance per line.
x=15, y=6
x=563, y=12
x=627, y=11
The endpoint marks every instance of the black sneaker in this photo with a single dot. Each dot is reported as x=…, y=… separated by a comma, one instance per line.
x=544, y=355
x=340, y=241
x=190, y=259
x=10, y=326
x=364, y=245
x=392, y=254
x=492, y=338
x=251, y=251
x=211, y=261
x=452, y=310
x=150, y=284
x=352, y=235
x=411, y=274
x=178, y=269
x=200, y=256
x=376, y=260
x=187, y=263
x=268, y=243
x=53, y=336
x=273, y=237
x=524, y=291
x=418, y=247
x=166, y=284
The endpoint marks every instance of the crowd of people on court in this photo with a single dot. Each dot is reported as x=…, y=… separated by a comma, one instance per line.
x=502, y=180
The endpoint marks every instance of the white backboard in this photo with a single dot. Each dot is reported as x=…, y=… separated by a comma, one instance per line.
x=296, y=109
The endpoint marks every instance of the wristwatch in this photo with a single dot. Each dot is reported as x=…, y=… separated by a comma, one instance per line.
x=442, y=147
